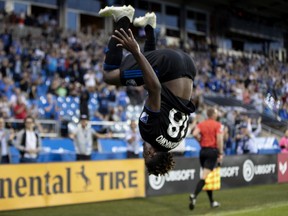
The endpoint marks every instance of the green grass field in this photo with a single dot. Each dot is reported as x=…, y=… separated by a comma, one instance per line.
x=265, y=200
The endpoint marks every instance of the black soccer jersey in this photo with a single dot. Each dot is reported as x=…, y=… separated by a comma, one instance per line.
x=167, y=128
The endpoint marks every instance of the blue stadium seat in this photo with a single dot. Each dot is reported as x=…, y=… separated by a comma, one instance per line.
x=269, y=151
x=14, y=155
x=192, y=147
x=112, y=145
x=108, y=156
x=58, y=143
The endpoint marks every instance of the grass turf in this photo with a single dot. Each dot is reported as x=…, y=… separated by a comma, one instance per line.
x=249, y=201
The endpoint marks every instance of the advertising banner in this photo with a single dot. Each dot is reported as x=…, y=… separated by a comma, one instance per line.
x=40, y=185
x=181, y=179
x=235, y=171
x=243, y=170
x=282, y=168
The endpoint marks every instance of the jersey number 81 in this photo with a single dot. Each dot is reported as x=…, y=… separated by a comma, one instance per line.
x=174, y=128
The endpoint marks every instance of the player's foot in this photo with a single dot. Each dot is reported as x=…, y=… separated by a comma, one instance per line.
x=148, y=19
x=215, y=204
x=118, y=12
x=192, y=201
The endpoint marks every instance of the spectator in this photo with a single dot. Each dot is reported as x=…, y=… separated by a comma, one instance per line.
x=4, y=106
x=245, y=139
x=97, y=117
x=32, y=94
x=14, y=97
x=50, y=108
x=6, y=138
x=84, y=101
x=17, y=68
x=103, y=102
x=284, y=142
x=52, y=63
x=25, y=82
x=6, y=39
x=283, y=111
x=5, y=68
x=20, y=109
x=133, y=138
x=83, y=139
x=28, y=142
x=90, y=80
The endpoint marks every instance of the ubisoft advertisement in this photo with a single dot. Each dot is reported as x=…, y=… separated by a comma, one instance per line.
x=240, y=171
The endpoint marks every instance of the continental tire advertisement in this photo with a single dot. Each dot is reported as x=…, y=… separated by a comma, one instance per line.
x=41, y=185
x=235, y=171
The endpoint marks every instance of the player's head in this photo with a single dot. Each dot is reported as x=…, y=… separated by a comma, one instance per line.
x=29, y=123
x=84, y=120
x=157, y=162
x=212, y=113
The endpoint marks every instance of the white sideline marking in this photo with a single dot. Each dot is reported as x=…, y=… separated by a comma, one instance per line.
x=246, y=210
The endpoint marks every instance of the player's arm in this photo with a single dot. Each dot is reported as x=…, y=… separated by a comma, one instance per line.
x=220, y=139
x=196, y=133
x=151, y=81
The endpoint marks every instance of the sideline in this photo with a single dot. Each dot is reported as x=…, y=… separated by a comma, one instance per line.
x=246, y=210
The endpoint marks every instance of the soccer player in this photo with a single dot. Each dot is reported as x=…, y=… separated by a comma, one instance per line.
x=166, y=74
x=210, y=135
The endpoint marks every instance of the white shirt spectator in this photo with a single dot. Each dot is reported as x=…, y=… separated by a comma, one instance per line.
x=4, y=141
x=247, y=142
x=90, y=79
x=31, y=143
x=83, y=140
x=133, y=138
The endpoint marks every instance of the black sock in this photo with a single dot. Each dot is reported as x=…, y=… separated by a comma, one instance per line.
x=210, y=195
x=199, y=187
x=114, y=54
x=150, y=43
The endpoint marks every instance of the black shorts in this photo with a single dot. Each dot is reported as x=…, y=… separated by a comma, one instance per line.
x=168, y=65
x=208, y=158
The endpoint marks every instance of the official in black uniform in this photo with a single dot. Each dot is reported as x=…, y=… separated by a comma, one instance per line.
x=167, y=75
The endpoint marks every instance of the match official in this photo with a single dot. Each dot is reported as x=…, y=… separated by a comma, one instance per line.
x=210, y=134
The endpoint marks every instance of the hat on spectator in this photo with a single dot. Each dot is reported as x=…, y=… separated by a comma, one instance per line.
x=84, y=117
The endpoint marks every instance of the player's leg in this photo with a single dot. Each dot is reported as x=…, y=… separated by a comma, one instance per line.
x=208, y=160
x=149, y=23
x=198, y=188
x=130, y=74
x=123, y=17
x=213, y=203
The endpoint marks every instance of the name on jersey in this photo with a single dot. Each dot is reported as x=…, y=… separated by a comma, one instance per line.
x=166, y=143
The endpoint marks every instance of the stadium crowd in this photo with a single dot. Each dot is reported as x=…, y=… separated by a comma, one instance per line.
x=45, y=76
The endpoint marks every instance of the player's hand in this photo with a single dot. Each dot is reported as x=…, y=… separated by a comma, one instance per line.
x=109, y=135
x=127, y=41
x=32, y=151
x=220, y=159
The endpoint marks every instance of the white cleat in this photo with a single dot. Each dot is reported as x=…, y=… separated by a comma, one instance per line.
x=192, y=200
x=118, y=12
x=148, y=19
x=215, y=204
